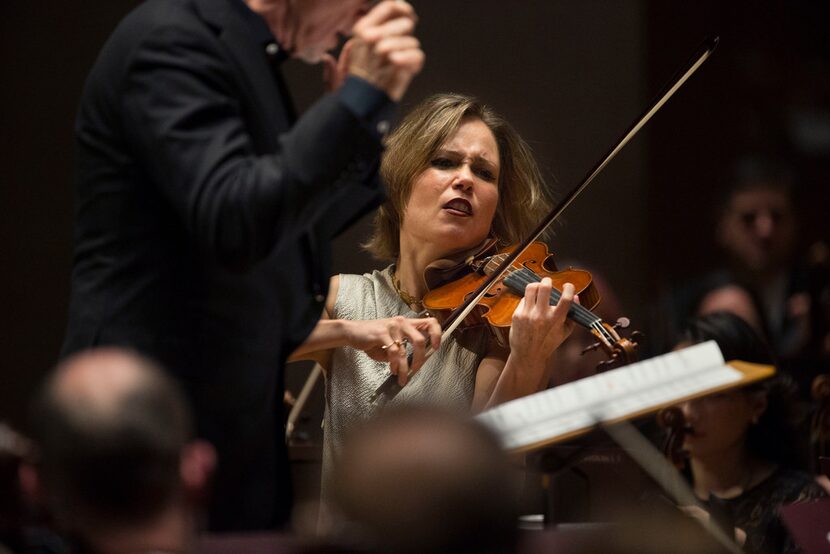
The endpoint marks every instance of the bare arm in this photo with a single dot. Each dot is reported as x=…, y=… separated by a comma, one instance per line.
x=381, y=339
x=327, y=334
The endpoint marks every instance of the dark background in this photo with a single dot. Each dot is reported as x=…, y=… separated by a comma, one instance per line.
x=570, y=75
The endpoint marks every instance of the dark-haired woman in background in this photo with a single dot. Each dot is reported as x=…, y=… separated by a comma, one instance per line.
x=743, y=448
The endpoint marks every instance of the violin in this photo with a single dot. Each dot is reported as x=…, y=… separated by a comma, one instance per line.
x=502, y=298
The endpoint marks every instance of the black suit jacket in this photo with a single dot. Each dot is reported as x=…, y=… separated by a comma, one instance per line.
x=204, y=220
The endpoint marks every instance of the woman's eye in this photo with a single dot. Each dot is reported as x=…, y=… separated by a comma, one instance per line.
x=443, y=163
x=486, y=174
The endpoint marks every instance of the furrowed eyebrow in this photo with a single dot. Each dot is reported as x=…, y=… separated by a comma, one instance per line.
x=458, y=154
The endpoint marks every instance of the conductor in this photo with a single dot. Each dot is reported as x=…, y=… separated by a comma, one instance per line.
x=205, y=208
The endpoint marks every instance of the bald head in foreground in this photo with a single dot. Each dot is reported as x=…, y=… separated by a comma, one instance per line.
x=424, y=480
x=117, y=466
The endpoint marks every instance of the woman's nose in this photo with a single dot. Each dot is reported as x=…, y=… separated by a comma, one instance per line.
x=463, y=179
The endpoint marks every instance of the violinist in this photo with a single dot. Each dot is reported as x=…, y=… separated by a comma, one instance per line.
x=458, y=176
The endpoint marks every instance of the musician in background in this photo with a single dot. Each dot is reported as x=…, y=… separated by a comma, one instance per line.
x=757, y=231
x=458, y=178
x=742, y=445
x=763, y=276
x=734, y=298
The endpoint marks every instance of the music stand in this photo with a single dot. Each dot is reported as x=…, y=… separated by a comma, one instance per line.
x=612, y=399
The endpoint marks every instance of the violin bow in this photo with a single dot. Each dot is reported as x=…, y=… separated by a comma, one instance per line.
x=390, y=387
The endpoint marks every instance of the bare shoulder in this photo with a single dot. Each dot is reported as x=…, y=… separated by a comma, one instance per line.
x=358, y=296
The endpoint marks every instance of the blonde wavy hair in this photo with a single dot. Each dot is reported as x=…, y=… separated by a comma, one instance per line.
x=523, y=199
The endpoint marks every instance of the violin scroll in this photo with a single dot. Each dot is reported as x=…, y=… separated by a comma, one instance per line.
x=620, y=350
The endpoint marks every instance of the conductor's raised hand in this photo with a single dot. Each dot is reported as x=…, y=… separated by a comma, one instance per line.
x=335, y=70
x=384, y=50
x=385, y=340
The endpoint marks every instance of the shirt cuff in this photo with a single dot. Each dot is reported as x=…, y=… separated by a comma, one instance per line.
x=369, y=104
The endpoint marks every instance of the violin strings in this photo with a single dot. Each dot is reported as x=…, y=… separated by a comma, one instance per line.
x=587, y=316
x=581, y=314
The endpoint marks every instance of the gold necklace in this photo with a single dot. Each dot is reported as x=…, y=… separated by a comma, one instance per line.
x=405, y=296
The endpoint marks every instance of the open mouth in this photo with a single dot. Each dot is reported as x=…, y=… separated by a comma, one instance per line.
x=459, y=207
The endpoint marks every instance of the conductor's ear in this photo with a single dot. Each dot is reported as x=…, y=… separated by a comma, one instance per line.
x=30, y=485
x=198, y=462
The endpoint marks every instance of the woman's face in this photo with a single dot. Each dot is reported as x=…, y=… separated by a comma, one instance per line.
x=453, y=201
x=720, y=422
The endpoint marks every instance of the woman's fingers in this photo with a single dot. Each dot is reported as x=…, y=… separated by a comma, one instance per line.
x=530, y=294
x=403, y=343
x=403, y=367
x=403, y=333
x=394, y=346
x=543, y=290
x=423, y=334
x=393, y=357
x=398, y=364
x=538, y=297
x=565, y=301
x=433, y=330
x=539, y=327
x=418, y=342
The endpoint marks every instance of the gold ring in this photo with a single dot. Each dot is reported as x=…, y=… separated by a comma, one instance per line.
x=387, y=346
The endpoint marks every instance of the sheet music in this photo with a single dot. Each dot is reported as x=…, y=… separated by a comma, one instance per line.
x=610, y=395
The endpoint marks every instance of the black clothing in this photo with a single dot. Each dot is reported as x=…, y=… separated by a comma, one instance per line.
x=756, y=510
x=204, y=220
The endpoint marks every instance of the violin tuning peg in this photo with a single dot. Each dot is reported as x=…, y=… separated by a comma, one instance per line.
x=622, y=323
x=637, y=337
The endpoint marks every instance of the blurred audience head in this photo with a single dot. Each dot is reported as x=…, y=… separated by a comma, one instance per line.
x=420, y=480
x=757, y=222
x=735, y=299
x=116, y=461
